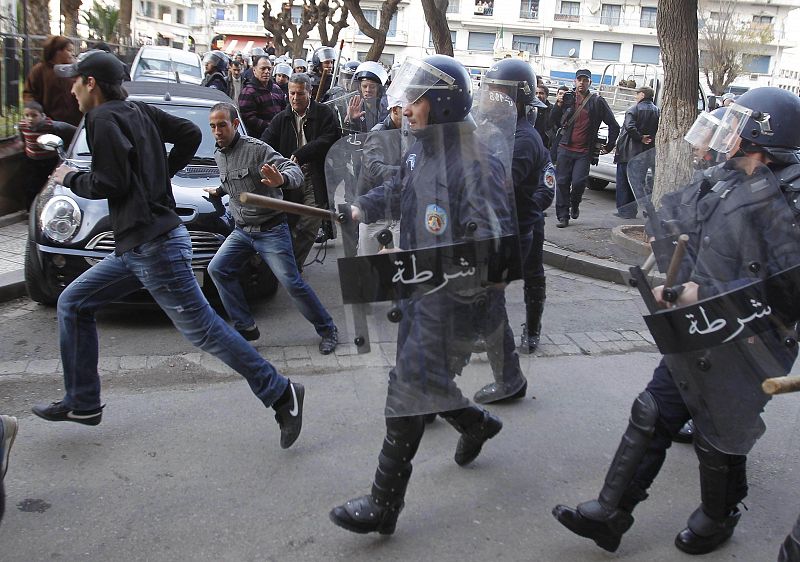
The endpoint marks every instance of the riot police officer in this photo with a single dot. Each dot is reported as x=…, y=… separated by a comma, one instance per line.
x=322, y=61
x=534, y=183
x=449, y=189
x=370, y=107
x=760, y=129
x=216, y=69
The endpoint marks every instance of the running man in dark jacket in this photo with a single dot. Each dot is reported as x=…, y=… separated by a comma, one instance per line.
x=131, y=169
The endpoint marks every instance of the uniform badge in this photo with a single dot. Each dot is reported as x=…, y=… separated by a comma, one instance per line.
x=550, y=177
x=410, y=161
x=435, y=219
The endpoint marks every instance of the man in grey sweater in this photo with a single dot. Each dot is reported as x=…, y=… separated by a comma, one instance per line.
x=249, y=165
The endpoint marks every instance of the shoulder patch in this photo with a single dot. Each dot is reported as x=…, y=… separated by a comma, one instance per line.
x=549, y=176
x=435, y=219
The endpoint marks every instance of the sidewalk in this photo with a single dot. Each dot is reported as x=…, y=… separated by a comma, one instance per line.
x=585, y=247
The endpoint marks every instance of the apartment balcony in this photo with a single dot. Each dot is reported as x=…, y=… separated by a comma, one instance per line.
x=239, y=27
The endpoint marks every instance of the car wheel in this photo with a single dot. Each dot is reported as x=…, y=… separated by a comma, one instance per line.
x=597, y=184
x=258, y=280
x=35, y=283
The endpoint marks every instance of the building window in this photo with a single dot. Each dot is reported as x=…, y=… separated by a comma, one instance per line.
x=610, y=14
x=386, y=59
x=241, y=12
x=606, y=51
x=647, y=54
x=648, y=17
x=297, y=15
x=372, y=18
x=484, y=7
x=528, y=43
x=481, y=41
x=756, y=64
x=570, y=8
x=453, y=7
x=762, y=20
x=529, y=9
x=196, y=14
x=164, y=11
x=452, y=38
x=252, y=13
x=566, y=48
x=179, y=17
x=146, y=9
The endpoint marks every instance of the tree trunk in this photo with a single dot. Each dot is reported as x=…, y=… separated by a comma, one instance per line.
x=436, y=18
x=69, y=9
x=125, y=14
x=677, y=34
x=38, y=19
x=377, y=34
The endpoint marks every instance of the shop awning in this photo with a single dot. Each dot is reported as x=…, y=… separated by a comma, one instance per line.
x=244, y=43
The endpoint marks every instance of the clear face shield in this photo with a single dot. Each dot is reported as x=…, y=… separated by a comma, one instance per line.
x=730, y=128
x=415, y=78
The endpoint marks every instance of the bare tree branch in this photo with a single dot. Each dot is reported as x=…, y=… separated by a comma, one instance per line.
x=436, y=18
x=377, y=34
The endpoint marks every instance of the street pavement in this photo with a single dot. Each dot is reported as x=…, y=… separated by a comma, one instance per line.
x=186, y=464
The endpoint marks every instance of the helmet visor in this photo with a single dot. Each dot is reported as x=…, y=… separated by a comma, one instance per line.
x=415, y=78
x=730, y=128
x=702, y=131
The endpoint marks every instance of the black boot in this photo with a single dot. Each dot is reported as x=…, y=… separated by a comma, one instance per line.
x=378, y=511
x=790, y=549
x=476, y=426
x=535, y=295
x=723, y=484
x=607, y=518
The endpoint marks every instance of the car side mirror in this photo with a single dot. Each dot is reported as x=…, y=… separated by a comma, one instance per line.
x=53, y=143
x=50, y=142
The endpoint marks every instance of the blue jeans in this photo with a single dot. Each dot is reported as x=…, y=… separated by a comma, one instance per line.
x=626, y=202
x=275, y=248
x=572, y=170
x=163, y=267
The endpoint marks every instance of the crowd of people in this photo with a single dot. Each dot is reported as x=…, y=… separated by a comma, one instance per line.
x=458, y=184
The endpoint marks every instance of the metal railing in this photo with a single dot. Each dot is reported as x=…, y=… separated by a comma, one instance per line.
x=19, y=54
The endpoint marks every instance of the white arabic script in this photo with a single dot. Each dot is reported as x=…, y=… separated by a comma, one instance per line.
x=757, y=314
x=426, y=275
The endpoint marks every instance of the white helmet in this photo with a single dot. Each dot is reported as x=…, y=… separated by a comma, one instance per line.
x=371, y=70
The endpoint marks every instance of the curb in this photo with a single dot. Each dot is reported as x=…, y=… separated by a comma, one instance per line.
x=12, y=218
x=12, y=285
x=604, y=270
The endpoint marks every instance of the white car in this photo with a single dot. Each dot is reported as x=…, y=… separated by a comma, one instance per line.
x=165, y=64
x=605, y=171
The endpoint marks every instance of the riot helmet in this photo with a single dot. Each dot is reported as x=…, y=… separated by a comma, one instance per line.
x=700, y=135
x=282, y=68
x=767, y=121
x=346, y=74
x=321, y=55
x=518, y=74
x=300, y=63
x=442, y=79
x=218, y=59
x=371, y=70
x=256, y=54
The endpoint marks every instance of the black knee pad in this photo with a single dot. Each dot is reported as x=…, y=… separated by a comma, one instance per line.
x=644, y=412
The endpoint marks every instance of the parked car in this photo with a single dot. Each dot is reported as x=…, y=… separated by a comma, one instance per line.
x=165, y=64
x=605, y=171
x=68, y=234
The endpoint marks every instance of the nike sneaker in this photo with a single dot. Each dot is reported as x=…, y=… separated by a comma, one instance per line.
x=58, y=411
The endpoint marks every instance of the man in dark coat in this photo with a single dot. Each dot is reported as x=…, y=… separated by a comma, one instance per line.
x=638, y=134
x=304, y=132
x=261, y=99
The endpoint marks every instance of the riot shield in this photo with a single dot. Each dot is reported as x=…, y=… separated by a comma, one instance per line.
x=423, y=294
x=725, y=315
x=340, y=106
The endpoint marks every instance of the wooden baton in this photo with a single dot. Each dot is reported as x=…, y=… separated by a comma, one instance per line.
x=255, y=200
x=781, y=385
x=677, y=258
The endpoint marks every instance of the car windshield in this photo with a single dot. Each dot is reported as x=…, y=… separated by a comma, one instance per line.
x=170, y=66
x=195, y=114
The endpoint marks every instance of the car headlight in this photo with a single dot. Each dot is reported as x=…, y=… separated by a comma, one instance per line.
x=61, y=218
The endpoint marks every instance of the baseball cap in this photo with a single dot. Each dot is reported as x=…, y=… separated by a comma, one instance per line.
x=584, y=72
x=103, y=66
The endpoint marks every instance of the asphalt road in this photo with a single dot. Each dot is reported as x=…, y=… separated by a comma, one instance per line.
x=186, y=464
